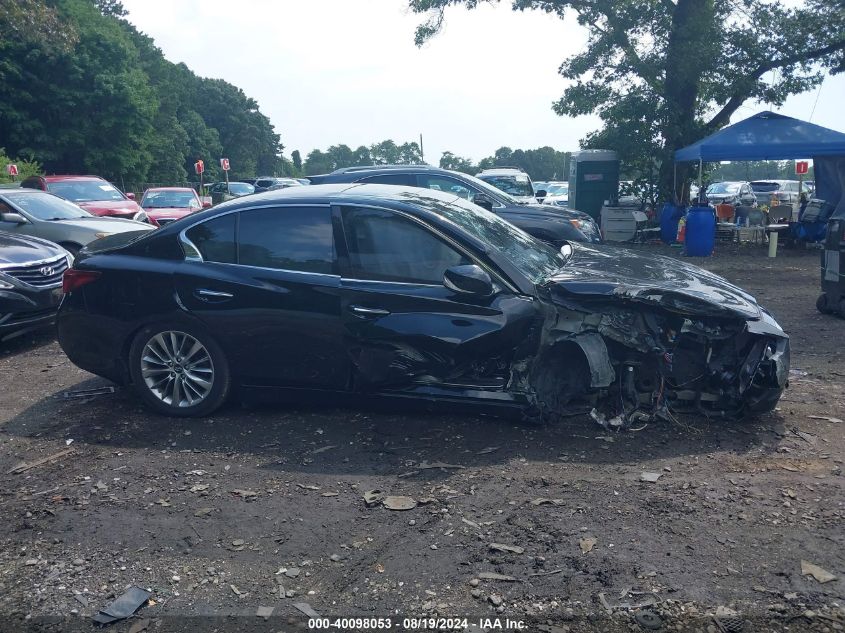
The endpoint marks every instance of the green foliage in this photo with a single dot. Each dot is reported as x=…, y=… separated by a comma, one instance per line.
x=665, y=73
x=543, y=163
x=108, y=102
x=26, y=167
x=457, y=163
x=384, y=153
x=756, y=170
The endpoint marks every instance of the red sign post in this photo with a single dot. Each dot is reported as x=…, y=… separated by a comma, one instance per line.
x=199, y=167
x=224, y=165
x=12, y=170
x=802, y=167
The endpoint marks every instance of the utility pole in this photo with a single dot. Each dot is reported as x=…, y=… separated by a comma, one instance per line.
x=422, y=152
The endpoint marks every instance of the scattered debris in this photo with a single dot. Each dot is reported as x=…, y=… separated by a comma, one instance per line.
x=650, y=477
x=825, y=417
x=25, y=466
x=728, y=620
x=245, y=494
x=335, y=558
x=821, y=575
x=264, y=612
x=587, y=544
x=472, y=524
x=542, y=501
x=323, y=449
x=308, y=486
x=123, y=607
x=372, y=497
x=292, y=572
x=199, y=487
x=399, y=503
x=495, y=600
x=648, y=601
x=491, y=575
x=203, y=512
x=329, y=494
x=807, y=437
x=235, y=590
x=87, y=393
x=426, y=465
x=648, y=620
x=488, y=450
x=305, y=608
x=501, y=547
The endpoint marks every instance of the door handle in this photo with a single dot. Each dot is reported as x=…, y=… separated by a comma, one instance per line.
x=204, y=294
x=368, y=313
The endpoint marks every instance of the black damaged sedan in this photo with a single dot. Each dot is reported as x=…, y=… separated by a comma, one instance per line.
x=333, y=290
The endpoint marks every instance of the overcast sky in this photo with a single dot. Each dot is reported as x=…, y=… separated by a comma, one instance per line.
x=347, y=71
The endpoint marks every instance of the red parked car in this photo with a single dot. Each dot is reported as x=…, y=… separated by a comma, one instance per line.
x=165, y=204
x=92, y=193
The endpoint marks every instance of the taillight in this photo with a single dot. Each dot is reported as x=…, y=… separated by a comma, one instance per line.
x=74, y=279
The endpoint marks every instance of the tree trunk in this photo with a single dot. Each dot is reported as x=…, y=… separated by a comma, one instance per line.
x=689, y=49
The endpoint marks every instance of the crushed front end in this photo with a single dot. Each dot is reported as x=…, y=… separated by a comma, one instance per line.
x=636, y=358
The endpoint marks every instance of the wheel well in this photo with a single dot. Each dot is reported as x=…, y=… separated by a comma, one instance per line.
x=561, y=375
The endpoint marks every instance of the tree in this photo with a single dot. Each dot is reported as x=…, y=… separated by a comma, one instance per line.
x=665, y=73
x=457, y=163
x=296, y=159
x=34, y=22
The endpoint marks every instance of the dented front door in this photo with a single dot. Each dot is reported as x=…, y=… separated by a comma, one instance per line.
x=404, y=327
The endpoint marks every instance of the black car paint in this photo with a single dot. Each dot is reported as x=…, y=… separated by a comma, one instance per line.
x=27, y=306
x=605, y=311
x=549, y=223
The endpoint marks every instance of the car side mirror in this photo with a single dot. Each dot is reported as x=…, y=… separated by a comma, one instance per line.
x=468, y=279
x=483, y=201
x=130, y=195
x=541, y=194
x=14, y=218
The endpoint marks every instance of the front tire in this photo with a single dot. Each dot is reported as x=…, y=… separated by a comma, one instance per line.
x=822, y=304
x=179, y=371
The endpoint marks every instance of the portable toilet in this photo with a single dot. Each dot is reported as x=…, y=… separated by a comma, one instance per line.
x=593, y=178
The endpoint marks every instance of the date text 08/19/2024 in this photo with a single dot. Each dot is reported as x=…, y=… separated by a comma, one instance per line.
x=415, y=624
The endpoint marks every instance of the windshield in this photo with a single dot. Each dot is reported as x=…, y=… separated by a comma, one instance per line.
x=557, y=190
x=163, y=199
x=723, y=187
x=517, y=185
x=534, y=259
x=44, y=206
x=239, y=188
x=84, y=190
x=765, y=187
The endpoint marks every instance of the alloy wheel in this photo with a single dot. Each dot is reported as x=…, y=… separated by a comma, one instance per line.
x=177, y=369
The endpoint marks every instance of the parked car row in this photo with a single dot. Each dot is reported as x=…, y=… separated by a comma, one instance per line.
x=551, y=224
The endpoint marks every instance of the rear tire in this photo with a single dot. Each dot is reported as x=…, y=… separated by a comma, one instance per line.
x=822, y=304
x=179, y=370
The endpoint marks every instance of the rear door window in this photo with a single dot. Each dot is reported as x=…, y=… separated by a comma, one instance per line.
x=215, y=239
x=407, y=180
x=287, y=238
x=447, y=185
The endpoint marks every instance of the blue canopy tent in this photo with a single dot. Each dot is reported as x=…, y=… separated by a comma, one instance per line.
x=772, y=136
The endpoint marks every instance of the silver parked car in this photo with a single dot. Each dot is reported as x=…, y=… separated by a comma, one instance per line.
x=41, y=214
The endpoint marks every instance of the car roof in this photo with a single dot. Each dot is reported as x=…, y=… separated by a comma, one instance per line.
x=502, y=171
x=170, y=189
x=57, y=178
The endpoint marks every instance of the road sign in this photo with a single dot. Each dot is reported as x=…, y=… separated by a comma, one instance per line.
x=802, y=167
x=224, y=164
x=199, y=167
x=12, y=169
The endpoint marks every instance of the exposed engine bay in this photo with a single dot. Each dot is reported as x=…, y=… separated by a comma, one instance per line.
x=633, y=362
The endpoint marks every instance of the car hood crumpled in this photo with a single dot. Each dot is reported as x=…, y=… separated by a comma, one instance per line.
x=625, y=274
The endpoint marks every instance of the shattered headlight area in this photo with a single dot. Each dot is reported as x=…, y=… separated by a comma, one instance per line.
x=632, y=364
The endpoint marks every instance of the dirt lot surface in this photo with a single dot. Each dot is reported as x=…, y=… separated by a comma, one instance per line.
x=263, y=506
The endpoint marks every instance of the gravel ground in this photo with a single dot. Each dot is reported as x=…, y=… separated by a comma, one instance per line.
x=262, y=507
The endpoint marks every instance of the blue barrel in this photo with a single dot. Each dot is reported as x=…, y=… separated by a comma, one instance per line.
x=669, y=217
x=701, y=231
